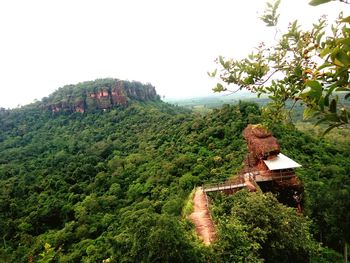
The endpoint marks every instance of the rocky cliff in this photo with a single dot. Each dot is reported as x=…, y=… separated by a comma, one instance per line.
x=98, y=94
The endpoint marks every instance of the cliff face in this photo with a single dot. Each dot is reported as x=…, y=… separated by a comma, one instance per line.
x=99, y=94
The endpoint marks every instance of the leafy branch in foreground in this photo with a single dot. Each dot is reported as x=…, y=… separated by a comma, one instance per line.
x=310, y=66
x=320, y=2
x=270, y=16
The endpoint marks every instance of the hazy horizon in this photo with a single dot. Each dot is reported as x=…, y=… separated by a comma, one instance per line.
x=172, y=45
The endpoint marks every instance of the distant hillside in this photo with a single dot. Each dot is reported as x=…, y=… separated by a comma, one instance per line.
x=114, y=185
x=98, y=94
x=212, y=101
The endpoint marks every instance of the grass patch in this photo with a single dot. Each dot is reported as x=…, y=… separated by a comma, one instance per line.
x=188, y=207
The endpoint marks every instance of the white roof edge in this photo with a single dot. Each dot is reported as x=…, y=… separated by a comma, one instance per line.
x=281, y=162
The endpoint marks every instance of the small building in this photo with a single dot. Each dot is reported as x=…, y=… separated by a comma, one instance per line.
x=266, y=166
x=281, y=162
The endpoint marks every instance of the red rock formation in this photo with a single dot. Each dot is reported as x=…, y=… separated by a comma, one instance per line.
x=118, y=94
x=263, y=146
x=98, y=96
x=79, y=109
x=55, y=109
x=104, y=93
x=261, y=143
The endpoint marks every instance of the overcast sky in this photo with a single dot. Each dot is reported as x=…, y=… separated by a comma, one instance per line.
x=172, y=44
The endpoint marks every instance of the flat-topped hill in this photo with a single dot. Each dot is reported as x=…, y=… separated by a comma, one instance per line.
x=98, y=94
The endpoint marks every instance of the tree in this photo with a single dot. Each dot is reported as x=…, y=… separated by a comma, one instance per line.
x=329, y=207
x=310, y=66
x=258, y=227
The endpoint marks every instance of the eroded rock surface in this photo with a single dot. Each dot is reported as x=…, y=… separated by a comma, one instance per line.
x=99, y=94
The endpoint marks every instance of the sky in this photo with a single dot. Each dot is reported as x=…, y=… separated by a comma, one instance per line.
x=45, y=44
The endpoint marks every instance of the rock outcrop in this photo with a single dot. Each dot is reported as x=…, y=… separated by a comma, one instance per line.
x=260, y=142
x=98, y=94
x=282, y=180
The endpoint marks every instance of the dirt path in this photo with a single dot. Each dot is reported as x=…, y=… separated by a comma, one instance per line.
x=201, y=217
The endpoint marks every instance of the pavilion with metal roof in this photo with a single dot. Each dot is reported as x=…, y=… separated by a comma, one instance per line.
x=281, y=162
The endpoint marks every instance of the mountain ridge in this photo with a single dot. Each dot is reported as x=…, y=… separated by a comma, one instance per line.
x=98, y=94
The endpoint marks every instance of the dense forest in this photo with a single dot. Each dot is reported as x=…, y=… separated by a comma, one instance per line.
x=113, y=184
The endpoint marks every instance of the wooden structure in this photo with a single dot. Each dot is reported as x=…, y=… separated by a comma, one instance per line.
x=265, y=167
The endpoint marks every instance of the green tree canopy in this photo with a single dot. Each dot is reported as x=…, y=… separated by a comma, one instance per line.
x=311, y=66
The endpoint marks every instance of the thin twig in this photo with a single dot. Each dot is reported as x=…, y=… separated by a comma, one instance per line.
x=262, y=83
x=290, y=110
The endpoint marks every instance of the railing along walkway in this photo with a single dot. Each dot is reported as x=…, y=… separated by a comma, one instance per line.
x=222, y=187
x=264, y=176
x=257, y=176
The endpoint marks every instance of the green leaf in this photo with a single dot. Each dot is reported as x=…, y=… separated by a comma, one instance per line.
x=320, y=121
x=343, y=58
x=277, y=3
x=331, y=89
x=212, y=74
x=346, y=19
x=335, y=52
x=318, y=38
x=321, y=103
x=326, y=100
x=331, y=117
x=325, y=65
x=316, y=89
x=333, y=106
x=314, y=84
x=343, y=89
x=298, y=71
x=325, y=51
x=318, y=2
x=308, y=112
x=345, y=41
x=270, y=16
x=219, y=88
x=221, y=59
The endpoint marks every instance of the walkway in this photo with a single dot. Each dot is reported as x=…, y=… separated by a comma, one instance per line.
x=247, y=180
x=223, y=187
x=201, y=217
